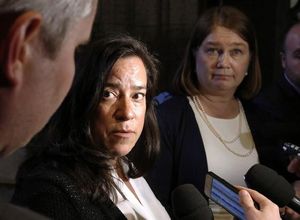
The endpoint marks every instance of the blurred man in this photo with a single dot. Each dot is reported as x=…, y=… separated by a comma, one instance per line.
x=291, y=64
x=37, y=44
x=280, y=103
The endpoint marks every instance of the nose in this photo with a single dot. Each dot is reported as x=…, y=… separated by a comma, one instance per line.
x=223, y=60
x=125, y=110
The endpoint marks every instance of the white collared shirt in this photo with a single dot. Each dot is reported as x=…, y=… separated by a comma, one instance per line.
x=147, y=206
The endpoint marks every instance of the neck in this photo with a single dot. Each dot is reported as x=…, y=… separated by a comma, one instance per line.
x=216, y=98
x=220, y=107
x=120, y=171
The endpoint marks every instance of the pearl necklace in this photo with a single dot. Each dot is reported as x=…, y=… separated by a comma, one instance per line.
x=203, y=115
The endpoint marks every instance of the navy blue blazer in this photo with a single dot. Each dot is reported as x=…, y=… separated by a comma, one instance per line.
x=182, y=158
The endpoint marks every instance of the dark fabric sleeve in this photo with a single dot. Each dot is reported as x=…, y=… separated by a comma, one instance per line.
x=54, y=194
x=46, y=199
x=160, y=177
x=12, y=212
x=182, y=158
x=269, y=134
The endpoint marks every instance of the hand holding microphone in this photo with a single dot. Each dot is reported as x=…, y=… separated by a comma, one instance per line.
x=268, y=209
x=273, y=186
x=189, y=204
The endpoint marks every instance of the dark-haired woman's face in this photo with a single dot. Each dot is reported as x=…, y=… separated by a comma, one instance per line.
x=120, y=115
x=222, y=61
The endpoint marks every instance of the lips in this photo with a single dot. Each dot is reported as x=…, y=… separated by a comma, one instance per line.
x=221, y=76
x=123, y=133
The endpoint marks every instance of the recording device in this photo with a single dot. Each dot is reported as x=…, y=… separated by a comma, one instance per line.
x=224, y=194
x=189, y=204
x=273, y=186
x=291, y=149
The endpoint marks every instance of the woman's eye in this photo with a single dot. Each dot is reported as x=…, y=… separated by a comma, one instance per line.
x=212, y=51
x=107, y=94
x=139, y=96
x=236, y=52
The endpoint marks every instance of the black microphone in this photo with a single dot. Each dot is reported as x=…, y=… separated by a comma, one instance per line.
x=273, y=186
x=189, y=204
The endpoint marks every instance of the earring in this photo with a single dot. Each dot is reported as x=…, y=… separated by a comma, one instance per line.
x=246, y=73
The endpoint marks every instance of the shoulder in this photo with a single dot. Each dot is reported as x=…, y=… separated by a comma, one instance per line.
x=43, y=180
x=48, y=189
x=280, y=91
x=172, y=108
x=43, y=172
x=166, y=100
x=175, y=114
x=9, y=211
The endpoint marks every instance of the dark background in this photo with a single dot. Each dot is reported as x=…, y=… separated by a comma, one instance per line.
x=165, y=26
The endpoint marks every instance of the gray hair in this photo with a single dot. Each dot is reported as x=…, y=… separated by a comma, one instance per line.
x=58, y=16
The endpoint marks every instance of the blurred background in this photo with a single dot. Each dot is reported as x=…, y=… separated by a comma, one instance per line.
x=165, y=26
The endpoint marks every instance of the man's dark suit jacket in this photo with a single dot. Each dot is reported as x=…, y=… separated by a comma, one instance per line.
x=280, y=104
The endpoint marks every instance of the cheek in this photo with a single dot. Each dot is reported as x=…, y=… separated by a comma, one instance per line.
x=99, y=130
x=204, y=65
x=240, y=68
x=70, y=68
x=295, y=64
x=141, y=118
x=65, y=71
x=102, y=116
x=200, y=62
x=68, y=76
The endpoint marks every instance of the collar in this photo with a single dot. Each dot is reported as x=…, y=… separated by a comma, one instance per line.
x=297, y=88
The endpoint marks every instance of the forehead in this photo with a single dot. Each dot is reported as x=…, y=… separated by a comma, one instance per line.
x=224, y=36
x=128, y=70
x=293, y=38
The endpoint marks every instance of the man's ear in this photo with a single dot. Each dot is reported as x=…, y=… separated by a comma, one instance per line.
x=16, y=44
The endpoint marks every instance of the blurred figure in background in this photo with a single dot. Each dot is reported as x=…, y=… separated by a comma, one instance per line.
x=282, y=99
x=281, y=102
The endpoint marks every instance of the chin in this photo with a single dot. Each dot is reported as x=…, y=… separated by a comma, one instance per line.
x=123, y=151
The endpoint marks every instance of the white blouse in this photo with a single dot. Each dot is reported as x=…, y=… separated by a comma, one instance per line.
x=147, y=206
x=219, y=159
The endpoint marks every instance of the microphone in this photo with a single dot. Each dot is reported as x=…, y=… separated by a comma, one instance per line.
x=189, y=204
x=273, y=186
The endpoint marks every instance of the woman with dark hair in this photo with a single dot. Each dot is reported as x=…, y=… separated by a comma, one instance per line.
x=89, y=160
x=206, y=123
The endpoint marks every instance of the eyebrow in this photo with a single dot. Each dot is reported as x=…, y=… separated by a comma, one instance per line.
x=213, y=43
x=117, y=85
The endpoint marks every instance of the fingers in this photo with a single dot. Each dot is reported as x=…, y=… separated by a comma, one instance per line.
x=259, y=198
x=245, y=199
x=248, y=195
x=293, y=165
x=267, y=209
